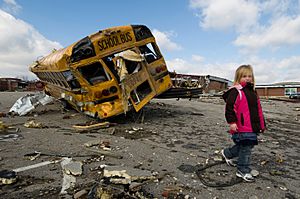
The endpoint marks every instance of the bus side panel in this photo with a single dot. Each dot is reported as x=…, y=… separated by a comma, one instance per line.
x=160, y=80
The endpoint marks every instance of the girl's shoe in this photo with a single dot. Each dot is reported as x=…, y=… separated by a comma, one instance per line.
x=246, y=176
x=230, y=162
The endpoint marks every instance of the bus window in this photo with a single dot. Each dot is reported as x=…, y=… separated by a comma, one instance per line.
x=58, y=79
x=94, y=73
x=150, y=52
x=132, y=66
x=108, y=60
x=71, y=80
x=131, y=58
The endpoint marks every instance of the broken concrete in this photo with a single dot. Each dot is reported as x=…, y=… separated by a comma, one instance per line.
x=69, y=181
x=126, y=175
x=73, y=168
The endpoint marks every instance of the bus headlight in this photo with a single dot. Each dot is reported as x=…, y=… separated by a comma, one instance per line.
x=113, y=89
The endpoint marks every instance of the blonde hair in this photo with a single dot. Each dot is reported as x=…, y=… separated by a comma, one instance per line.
x=241, y=71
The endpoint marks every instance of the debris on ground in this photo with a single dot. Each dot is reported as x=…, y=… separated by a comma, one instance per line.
x=27, y=103
x=73, y=168
x=33, y=124
x=10, y=137
x=69, y=180
x=7, y=177
x=90, y=127
x=3, y=127
x=126, y=175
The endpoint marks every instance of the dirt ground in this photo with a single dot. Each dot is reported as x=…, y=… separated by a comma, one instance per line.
x=171, y=138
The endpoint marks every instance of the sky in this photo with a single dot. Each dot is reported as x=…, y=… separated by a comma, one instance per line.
x=201, y=37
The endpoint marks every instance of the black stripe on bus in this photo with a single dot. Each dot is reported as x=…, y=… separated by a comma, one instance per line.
x=109, y=99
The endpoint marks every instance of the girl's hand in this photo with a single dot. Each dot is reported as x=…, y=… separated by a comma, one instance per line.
x=233, y=127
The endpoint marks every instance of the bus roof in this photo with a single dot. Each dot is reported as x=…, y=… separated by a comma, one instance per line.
x=103, y=42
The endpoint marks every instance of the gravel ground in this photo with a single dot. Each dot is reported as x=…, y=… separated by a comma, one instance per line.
x=171, y=138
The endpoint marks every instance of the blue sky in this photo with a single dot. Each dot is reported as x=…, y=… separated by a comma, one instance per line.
x=205, y=37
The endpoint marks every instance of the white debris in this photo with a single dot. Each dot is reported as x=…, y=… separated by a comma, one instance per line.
x=68, y=180
x=125, y=175
x=28, y=102
x=73, y=168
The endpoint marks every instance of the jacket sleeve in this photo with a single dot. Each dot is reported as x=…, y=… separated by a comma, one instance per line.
x=261, y=115
x=230, y=106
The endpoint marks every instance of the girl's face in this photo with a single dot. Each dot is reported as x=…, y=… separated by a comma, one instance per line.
x=247, y=78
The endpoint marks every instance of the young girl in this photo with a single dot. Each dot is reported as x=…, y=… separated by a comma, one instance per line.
x=244, y=114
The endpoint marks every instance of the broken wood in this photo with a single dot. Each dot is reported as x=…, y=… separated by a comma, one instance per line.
x=92, y=126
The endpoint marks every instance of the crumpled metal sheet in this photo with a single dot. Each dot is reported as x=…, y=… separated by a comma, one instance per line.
x=131, y=56
x=28, y=102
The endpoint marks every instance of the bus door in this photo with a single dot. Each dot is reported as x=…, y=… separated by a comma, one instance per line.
x=134, y=79
x=156, y=67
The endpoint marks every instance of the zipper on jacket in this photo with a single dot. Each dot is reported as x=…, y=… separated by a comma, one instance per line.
x=242, y=119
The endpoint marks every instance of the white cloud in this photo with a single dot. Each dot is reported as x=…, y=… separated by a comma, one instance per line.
x=283, y=31
x=20, y=45
x=164, y=40
x=265, y=71
x=11, y=6
x=198, y=68
x=220, y=14
x=197, y=58
x=258, y=24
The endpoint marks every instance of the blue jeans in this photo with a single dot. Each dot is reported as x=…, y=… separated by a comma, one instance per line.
x=243, y=152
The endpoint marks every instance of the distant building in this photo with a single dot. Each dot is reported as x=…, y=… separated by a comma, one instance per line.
x=12, y=84
x=209, y=83
x=278, y=89
x=16, y=84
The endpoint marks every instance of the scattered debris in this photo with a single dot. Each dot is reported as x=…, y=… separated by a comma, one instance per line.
x=3, y=127
x=32, y=156
x=35, y=165
x=33, y=124
x=27, y=103
x=68, y=180
x=104, y=145
x=89, y=127
x=73, y=168
x=283, y=188
x=125, y=175
x=10, y=137
x=7, y=177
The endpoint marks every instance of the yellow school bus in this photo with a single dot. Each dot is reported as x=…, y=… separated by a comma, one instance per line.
x=106, y=73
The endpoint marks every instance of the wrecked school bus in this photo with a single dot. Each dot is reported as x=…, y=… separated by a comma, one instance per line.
x=106, y=73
